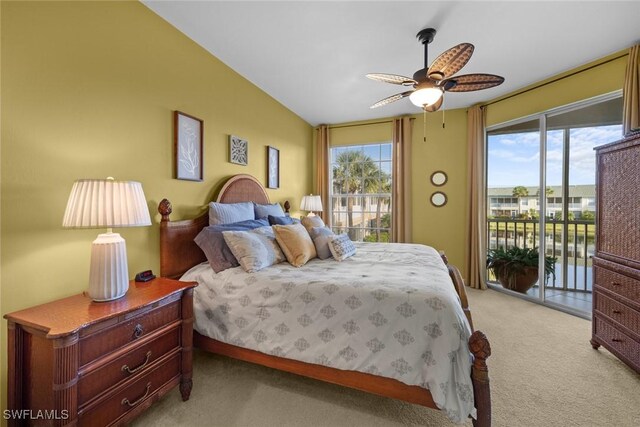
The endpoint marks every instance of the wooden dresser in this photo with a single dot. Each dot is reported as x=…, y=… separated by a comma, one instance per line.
x=616, y=265
x=100, y=363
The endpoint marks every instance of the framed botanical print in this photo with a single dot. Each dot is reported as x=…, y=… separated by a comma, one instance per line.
x=187, y=146
x=238, y=150
x=273, y=167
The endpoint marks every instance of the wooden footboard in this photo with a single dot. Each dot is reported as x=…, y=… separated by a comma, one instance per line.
x=458, y=284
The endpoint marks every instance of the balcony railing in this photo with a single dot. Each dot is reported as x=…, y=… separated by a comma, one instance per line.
x=576, y=252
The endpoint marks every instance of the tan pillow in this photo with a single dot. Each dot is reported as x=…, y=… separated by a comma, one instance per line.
x=312, y=221
x=295, y=242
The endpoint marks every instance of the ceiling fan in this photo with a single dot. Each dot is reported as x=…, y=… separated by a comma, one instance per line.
x=430, y=82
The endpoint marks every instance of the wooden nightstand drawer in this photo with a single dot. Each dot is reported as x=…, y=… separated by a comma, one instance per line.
x=123, y=333
x=131, y=362
x=133, y=394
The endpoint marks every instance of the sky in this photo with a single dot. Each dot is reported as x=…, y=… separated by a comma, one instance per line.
x=514, y=159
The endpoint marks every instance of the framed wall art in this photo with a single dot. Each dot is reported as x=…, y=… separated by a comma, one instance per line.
x=273, y=167
x=238, y=150
x=187, y=146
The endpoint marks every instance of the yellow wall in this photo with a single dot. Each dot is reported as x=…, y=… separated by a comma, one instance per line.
x=88, y=90
x=596, y=78
x=446, y=150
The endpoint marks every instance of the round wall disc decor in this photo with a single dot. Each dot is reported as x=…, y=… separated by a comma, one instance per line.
x=438, y=199
x=439, y=178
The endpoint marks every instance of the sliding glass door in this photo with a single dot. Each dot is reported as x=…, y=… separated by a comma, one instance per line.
x=554, y=152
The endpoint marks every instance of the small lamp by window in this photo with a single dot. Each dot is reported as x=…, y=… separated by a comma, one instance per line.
x=311, y=203
x=106, y=203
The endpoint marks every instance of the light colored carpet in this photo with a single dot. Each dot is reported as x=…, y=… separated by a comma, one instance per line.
x=543, y=373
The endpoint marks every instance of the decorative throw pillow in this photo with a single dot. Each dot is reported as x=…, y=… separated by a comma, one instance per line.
x=255, y=249
x=227, y=213
x=263, y=211
x=321, y=237
x=342, y=247
x=280, y=220
x=295, y=243
x=212, y=242
x=312, y=221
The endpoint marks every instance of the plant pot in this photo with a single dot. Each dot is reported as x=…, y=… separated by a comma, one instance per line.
x=520, y=282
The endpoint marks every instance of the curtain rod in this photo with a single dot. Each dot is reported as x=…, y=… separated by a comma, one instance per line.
x=555, y=80
x=363, y=124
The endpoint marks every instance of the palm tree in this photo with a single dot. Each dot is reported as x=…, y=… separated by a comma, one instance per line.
x=519, y=192
x=383, y=185
x=354, y=173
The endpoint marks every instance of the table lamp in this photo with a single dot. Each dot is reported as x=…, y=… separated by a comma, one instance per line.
x=107, y=203
x=311, y=203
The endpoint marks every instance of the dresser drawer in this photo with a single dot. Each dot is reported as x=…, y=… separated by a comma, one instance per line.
x=127, y=331
x=622, y=314
x=617, y=341
x=133, y=361
x=617, y=283
x=131, y=395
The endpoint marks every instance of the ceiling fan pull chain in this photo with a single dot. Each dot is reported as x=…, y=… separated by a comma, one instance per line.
x=443, y=118
x=424, y=124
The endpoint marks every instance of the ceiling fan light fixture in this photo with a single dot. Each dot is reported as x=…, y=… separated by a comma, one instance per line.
x=426, y=96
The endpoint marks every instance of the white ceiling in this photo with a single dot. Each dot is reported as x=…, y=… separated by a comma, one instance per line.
x=312, y=56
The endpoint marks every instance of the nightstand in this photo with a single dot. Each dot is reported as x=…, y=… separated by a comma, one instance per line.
x=76, y=361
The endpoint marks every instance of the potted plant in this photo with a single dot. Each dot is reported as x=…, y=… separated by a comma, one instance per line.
x=517, y=268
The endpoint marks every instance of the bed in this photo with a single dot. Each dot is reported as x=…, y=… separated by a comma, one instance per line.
x=179, y=254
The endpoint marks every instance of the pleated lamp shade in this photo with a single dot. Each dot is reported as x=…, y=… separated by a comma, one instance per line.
x=106, y=203
x=311, y=203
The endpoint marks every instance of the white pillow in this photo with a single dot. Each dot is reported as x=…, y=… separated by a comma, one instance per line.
x=255, y=249
x=342, y=247
x=226, y=213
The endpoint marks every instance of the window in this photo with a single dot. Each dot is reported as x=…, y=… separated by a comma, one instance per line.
x=361, y=191
x=564, y=138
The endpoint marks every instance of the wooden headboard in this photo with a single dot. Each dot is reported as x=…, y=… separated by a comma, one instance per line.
x=178, y=251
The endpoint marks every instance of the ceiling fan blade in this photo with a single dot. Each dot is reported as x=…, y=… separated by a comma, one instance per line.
x=392, y=78
x=435, y=107
x=471, y=82
x=392, y=98
x=450, y=61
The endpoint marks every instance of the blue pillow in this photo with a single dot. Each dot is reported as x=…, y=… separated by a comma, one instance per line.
x=212, y=242
x=263, y=211
x=228, y=213
x=280, y=220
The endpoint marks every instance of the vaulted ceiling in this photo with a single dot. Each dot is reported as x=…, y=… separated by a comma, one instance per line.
x=312, y=56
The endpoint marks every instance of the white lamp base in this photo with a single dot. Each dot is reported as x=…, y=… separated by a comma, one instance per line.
x=108, y=273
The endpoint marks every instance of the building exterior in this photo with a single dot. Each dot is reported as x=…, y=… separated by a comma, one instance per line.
x=502, y=203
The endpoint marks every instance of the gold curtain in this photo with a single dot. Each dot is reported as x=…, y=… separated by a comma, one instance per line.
x=401, y=181
x=322, y=171
x=476, y=217
x=631, y=93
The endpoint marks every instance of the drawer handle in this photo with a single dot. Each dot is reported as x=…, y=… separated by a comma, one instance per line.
x=615, y=283
x=617, y=340
x=617, y=312
x=126, y=368
x=138, y=331
x=125, y=401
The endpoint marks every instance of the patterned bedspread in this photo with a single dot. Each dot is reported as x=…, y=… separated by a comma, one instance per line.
x=390, y=310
